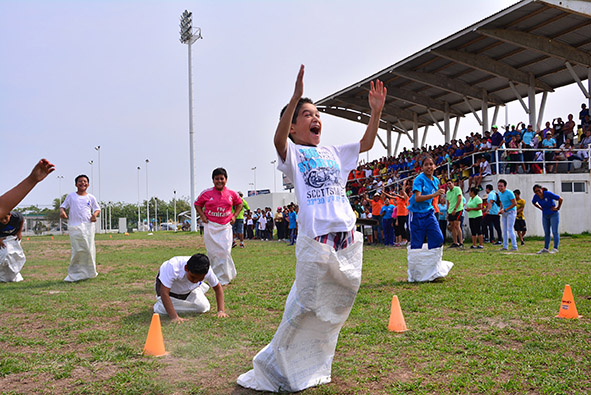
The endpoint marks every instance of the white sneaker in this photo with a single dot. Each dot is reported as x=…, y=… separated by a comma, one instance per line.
x=554, y=251
x=543, y=251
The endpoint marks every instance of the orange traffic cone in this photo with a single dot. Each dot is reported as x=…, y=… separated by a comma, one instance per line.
x=568, y=308
x=27, y=238
x=110, y=236
x=396, y=323
x=155, y=342
x=51, y=237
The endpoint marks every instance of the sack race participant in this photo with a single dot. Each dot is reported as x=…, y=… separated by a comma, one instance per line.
x=214, y=206
x=180, y=288
x=12, y=257
x=83, y=211
x=328, y=250
x=425, y=261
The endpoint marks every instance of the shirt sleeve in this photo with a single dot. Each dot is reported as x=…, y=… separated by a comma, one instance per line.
x=211, y=278
x=417, y=185
x=200, y=200
x=349, y=156
x=552, y=195
x=66, y=203
x=167, y=274
x=94, y=204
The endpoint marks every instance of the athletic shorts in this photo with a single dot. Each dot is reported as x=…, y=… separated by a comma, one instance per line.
x=238, y=226
x=520, y=225
x=454, y=217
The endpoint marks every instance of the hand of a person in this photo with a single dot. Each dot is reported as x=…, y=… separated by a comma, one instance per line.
x=233, y=220
x=501, y=211
x=299, y=85
x=178, y=319
x=2, y=245
x=377, y=96
x=439, y=192
x=63, y=215
x=93, y=218
x=554, y=208
x=19, y=236
x=221, y=314
x=41, y=170
x=204, y=220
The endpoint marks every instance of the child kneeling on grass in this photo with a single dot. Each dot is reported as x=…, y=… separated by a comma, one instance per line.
x=328, y=250
x=180, y=288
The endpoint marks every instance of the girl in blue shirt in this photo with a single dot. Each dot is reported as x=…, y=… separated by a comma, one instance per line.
x=544, y=200
x=422, y=221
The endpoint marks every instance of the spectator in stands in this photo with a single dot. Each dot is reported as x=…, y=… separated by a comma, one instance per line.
x=549, y=142
x=584, y=146
x=584, y=112
x=544, y=200
x=388, y=214
x=568, y=128
x=558, y=126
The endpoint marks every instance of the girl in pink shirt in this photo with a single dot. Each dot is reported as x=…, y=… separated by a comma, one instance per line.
x=214, y=206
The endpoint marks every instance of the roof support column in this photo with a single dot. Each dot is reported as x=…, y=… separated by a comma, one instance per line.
x=542, y=107
x=425, y=136
x=446, y=123
x=397, y=144
x=495, y=115
x=531, y=97
x=389, y=138
x=456, y=127
x=485, y=125
x=415, y=131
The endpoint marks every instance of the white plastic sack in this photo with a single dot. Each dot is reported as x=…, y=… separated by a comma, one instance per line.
x=301, y=352
x=83, y=262
x=218, y=242
x=426, y=264
x=196, y=302
x=12, y=260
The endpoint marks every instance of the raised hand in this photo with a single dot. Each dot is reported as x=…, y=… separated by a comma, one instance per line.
x=41, y=170
x=377, y=96
x=299, y=86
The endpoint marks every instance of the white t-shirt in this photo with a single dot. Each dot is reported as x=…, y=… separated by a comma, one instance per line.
x=262, y=222
x=319, y=175
x=81, y=208
x=173, y=276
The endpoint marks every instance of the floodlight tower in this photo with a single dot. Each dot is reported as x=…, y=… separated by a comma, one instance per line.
x=138, y=198
x=188, y=36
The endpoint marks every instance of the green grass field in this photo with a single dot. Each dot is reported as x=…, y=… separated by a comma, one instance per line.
x=488, y=328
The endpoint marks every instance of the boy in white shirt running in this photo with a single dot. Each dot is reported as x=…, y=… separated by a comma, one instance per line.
x=328, y=251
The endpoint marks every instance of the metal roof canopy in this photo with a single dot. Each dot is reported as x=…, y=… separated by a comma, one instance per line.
x=531, y=47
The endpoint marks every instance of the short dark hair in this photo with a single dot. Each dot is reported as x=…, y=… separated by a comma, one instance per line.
x=517, y=192
x=474, y=190
x=80, y=176
x=502, y=181
x=198, y=264
x=219, y=171
x=296, y=112
x=489, y=187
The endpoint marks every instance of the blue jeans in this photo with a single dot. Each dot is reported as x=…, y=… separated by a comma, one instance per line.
x=388, y=224
x=551, y=221
x=508, y=218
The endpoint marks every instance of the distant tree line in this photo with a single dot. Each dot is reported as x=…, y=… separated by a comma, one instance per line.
x=117, y=210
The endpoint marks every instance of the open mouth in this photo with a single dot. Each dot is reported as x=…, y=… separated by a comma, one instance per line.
x=315, y=130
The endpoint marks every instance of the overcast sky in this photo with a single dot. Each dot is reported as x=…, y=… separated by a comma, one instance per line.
x=79, y=74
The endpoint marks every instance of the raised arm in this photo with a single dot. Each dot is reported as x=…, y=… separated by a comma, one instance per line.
x=282, y=132
x=377, y=99
x=10, y=199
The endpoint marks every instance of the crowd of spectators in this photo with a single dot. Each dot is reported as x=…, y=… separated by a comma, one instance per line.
x=518, y=150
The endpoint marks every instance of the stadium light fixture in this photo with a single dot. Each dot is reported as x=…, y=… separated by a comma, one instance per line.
x=188, y=36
